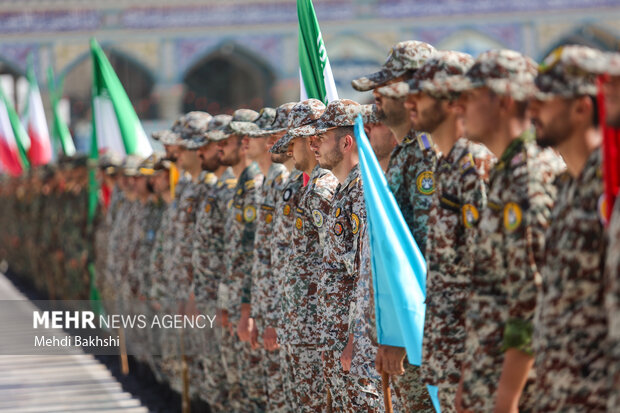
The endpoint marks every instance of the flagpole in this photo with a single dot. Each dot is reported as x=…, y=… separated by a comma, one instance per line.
x=387, y=394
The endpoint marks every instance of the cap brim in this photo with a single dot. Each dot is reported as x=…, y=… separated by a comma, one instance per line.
x=398, y=90
x=217, y=135
x=375, y=80
x=281, y=146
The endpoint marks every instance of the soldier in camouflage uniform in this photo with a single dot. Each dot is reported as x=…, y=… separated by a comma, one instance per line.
x=511, y=229
x=334, y=146
x=410, y=177
x=570, y=323
x=298, y=298
x=460, y=195
x=240, y=235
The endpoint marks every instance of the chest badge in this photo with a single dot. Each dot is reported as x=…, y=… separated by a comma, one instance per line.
x=470, y=215
x=287, y=194
x=338, y=229
x=603, y=209
x=426, y=182
x=299, y=224
x=355, y=223
x=286, y=210
x=512, y=216
x=249, y=213
x=318, y=218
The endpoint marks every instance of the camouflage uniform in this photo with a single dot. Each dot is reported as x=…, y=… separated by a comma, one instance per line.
x=299, y=295
x=570, y=323
x=612, y=306
x=510, y=248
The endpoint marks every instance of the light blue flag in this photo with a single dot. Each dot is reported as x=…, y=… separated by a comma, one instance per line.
x=398, y=266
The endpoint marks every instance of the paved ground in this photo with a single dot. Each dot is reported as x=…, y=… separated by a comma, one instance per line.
x=75, y=382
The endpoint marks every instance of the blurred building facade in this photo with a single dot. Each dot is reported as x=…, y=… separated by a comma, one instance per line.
x=216, y=55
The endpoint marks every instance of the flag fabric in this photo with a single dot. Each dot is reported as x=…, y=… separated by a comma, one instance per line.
x=116, y=124
x=315, y=73
x=611, y=156
x=13, y=139
x=40, y=151
x=60, y=130
x=398, y=266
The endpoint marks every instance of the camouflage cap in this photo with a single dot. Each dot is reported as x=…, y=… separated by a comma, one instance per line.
x=370, y=115
x=243, y=122
x=147, y=166
x=302, y=114
x=563, y=73
x=217, y=128
x=338, y=113
x=163, y=164
x=131, y=165
x=266, y=116
x=280, y=122
x=192, y=125
x=109, y=159
x=435, y=77
x=403, y=57
x=166, y=137
x=505, y=72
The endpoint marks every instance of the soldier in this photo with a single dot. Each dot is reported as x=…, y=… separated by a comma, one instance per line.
x=460, y=194
x=240, y=235
x=570, y=323
x=498, y=354
x=410, y=177
x=334, y=146
x=298, y=298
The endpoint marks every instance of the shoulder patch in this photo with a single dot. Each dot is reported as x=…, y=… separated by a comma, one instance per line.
x=426, y=182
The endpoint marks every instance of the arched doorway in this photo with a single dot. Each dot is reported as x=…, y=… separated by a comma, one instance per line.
x=229, y=78
x=589, y=35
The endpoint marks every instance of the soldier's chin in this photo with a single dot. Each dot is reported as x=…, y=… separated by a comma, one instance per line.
x=545, y=142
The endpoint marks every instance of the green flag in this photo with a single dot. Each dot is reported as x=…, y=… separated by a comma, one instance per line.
x=60, y=130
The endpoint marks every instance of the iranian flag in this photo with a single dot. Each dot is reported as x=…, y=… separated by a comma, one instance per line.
x=315, y=73
x=116, y=126
x=40, y=151
x=13, y=139
x=60, y=130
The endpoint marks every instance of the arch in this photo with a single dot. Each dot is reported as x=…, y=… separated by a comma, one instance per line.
x=587, y=35
x=229, y=77
x=469, y=41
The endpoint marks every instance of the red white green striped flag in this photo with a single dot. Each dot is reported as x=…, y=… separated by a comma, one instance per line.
x=315, y=73
x=40, y=151
x=13, y=139
x=116, y=126
x=60, y=130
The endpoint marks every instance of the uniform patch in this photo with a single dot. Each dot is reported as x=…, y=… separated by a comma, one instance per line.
x=208, y=208
x=230, y=204
x=470, y=215
x=286, y=210
x=355, y=223
x=239, y=191
x=268, y=218
x=299, y=223
x=249, y=184
x=603, y=209
x=426, y=182
x=287, y=195
x=338, y=211
x=512, y=216
x=249, y=213
x=317, y=216
x=238, y=217
x=338, y=228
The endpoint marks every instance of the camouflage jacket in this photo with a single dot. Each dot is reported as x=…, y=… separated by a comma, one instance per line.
x=299, y=285
x=152, y=222
x=282, y=246
x=341, y=262
x=184, y=222
x=461, y=194
x=571, y=365
x=260, y=280
x=506, y=273
x=612, y=306
x=240, y=234
x=207, y=256
x=411, y=178
x=160, y=256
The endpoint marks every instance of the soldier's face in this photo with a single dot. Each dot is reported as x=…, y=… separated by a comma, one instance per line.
x=390, y=111
x=611, y=89
x=381, y=139
x=551, y=118
x=327, y=150
x=209, y=157
x=141, y=185
x=161, y=182
x=172, y=152
x=278, y=157
x=302, y=153
x=188, y=159
x=481, y=114
x=425, y=112
x=257, y=148
x=229, y=151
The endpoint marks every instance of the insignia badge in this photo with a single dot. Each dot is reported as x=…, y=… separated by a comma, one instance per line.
x=470, y=215
x=239, y=191
x=268, y=218
x=603, y=209
x=512, y=216
x=287, y=195
x=299, y=223
x=318, y=218
x=249, y=184
x=338, y=229
x=249, y=213
x=230, y=204
x=426, y=182
x=208, y=208
x=239, y=217
x=518, y=159
x=286, y=210
x=355, y=223
x=338, y=211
